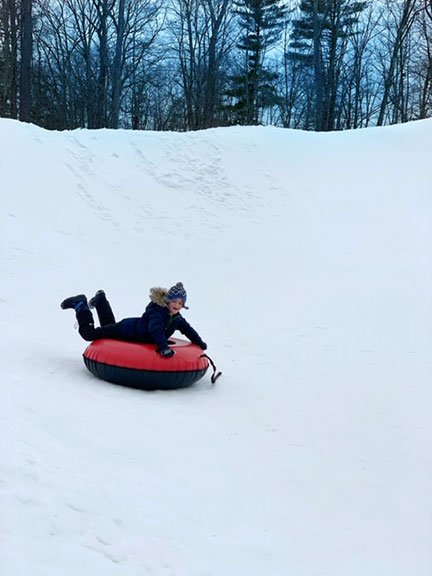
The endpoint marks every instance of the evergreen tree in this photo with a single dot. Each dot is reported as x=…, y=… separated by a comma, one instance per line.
x=253, y=88
x=319, y=43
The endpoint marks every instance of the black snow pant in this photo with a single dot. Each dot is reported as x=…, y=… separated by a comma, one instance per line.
x=108, y=326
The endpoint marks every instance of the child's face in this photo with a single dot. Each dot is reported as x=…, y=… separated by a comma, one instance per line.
x=175, y=306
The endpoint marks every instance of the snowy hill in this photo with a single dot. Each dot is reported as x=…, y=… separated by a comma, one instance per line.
x=307, y=263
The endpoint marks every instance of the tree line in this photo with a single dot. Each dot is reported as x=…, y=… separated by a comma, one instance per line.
x=192, y=64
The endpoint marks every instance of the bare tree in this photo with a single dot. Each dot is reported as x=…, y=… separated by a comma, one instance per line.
x=103, y=9
x=93, y=52
x=9, y=52
x=320, y=42
x=402, y=16
x=136, y=27
x=220, y=41
x=26, y=60
x=359, y=89
x=422, y=65
x=202, y=37
x=66, y=72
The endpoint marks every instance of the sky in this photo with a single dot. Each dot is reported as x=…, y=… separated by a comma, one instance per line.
x=306, y=258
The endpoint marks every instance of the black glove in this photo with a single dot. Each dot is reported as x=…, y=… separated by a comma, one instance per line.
x=165, y=352
x=202, y=345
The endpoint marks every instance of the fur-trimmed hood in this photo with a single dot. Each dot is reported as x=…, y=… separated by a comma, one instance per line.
x=157, y=295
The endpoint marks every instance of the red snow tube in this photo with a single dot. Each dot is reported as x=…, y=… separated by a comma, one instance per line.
x=139, y=366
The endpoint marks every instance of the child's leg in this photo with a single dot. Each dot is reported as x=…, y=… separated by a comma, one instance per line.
x=103, y=308
x=87, y=329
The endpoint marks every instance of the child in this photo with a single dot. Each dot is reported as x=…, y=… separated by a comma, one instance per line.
x=160, y=320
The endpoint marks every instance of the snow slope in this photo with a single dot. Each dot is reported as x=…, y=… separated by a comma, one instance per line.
x=308, y=267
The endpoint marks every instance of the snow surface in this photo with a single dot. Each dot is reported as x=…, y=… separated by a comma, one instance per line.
x=307, y=260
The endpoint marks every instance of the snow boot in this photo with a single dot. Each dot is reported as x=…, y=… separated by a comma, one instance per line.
x=93, y=302
x=74, y=302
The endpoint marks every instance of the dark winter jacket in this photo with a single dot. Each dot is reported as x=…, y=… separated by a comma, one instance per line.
x=156, y=324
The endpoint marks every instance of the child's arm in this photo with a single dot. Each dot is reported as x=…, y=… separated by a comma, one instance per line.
x=186, y=329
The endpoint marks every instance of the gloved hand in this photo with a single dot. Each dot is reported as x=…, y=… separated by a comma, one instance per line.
x=165, y=352
x=202, y=345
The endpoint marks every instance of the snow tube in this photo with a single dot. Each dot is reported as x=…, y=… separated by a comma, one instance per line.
x=139, y=366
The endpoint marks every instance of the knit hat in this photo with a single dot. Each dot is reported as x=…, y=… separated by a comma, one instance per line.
x=177, y=292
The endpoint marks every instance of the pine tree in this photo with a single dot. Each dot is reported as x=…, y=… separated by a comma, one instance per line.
x=253, y=88
x=319, y=41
